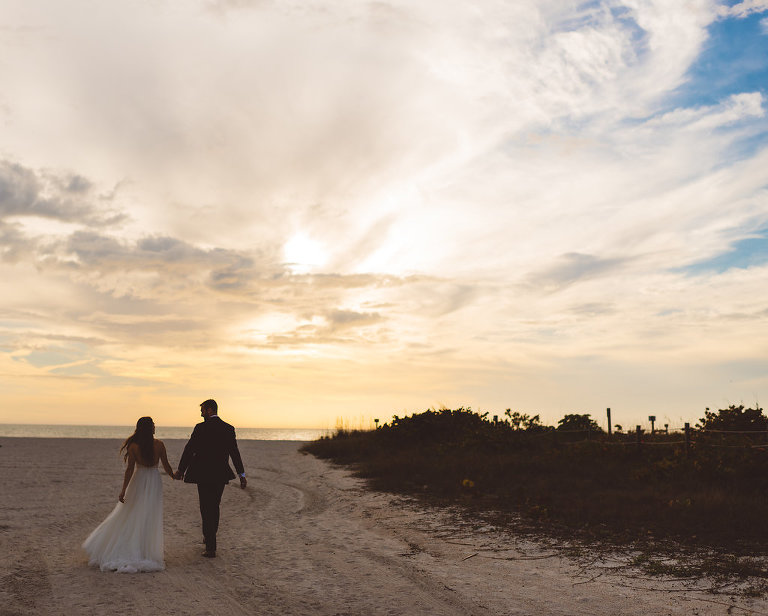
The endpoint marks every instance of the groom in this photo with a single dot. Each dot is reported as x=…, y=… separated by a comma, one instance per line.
x=205, y=461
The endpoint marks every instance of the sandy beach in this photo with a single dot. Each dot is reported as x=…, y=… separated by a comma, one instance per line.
x=303, y=538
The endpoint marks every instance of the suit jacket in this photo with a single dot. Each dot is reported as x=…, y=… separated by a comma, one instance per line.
x=206, y=455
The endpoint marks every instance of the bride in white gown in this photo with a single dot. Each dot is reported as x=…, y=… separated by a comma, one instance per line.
x=130, y=539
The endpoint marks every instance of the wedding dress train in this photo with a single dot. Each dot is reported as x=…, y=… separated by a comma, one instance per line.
x=130, y=539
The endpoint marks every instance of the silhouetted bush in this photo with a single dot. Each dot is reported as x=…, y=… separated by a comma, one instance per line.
x=734, y=418
x=521, y=421
x=714, y=495
x=576, y=422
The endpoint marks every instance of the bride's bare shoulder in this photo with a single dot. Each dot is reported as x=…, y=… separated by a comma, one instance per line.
x=132, y=452
x=159, y=448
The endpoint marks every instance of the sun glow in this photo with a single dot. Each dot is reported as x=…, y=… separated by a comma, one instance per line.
x=303, y=254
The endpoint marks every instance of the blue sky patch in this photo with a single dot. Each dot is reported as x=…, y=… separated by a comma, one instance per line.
x=733, y=60
x=746, y=253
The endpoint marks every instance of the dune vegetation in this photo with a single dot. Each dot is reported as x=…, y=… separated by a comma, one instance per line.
x=707, y=489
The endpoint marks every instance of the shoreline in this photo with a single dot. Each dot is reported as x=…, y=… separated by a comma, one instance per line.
x=163, y=432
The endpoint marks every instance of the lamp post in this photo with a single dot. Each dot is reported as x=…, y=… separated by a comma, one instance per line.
x=652, y=419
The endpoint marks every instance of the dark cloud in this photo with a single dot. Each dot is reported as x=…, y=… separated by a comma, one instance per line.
x=19, y=188
x=349, y=318
x=14, y=245
x=66, y=198
x=93, y=248
x=168, y=246
x=574, y=267
x=102, y=252
x=78, y=184
x=237, y=275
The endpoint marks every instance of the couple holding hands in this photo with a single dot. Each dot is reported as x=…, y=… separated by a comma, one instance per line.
x=130, y=539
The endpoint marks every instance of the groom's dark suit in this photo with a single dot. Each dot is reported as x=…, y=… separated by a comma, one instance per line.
x=205, y=461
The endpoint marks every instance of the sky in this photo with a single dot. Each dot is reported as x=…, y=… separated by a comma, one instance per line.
x=324, y=212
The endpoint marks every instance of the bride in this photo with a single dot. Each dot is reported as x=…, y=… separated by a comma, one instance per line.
x=130, y=539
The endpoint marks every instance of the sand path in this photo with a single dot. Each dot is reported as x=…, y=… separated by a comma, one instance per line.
x=303, y=538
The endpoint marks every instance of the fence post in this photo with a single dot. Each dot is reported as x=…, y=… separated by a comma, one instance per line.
x=637, y=432
x=608, y=411
x=687, y=439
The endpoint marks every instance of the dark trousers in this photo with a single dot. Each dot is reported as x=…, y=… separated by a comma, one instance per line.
x=210, y=499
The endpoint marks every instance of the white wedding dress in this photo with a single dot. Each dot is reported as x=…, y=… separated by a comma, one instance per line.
x=130, y=539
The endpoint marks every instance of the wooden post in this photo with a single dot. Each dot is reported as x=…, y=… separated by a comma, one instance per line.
x=608, y=412
x=687, y=439
x=637, y=432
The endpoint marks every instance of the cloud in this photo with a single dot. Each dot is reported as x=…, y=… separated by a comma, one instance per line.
x=743, y=9
x=14, y=245
x=155, y=265
x=103, y=252
x=67, y=198
x=338, y=319
x=333, y=328
x=736, y=108
x=572, y=267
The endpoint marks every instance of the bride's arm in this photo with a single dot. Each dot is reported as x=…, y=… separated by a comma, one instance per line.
x=164, y=459
x=128, y=471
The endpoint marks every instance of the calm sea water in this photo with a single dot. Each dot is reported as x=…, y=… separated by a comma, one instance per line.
x=121, y=432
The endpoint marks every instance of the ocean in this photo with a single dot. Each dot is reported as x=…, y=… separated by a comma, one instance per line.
x=163, y=432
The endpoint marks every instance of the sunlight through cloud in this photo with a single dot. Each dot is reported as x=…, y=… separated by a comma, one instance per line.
x=303, y=254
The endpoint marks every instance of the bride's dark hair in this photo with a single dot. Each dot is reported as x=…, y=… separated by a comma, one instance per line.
x=144, y=437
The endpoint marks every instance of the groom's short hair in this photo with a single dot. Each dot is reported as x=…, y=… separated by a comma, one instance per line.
x=210, y=404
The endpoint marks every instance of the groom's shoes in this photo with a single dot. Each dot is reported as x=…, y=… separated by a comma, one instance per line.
x=209, y=554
